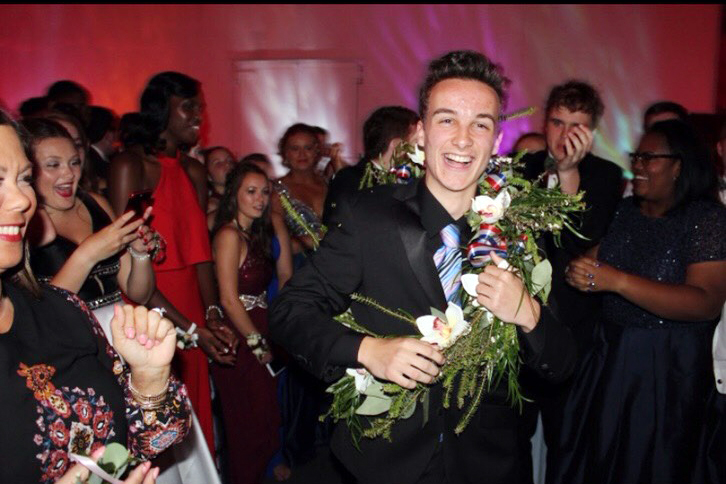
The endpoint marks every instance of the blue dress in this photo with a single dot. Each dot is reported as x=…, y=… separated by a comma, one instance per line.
x=637, y=406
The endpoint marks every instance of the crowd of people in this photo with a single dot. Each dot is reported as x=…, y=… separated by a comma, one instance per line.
x=233, y=337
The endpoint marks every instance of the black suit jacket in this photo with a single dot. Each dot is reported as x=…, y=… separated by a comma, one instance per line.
x=602, y=182
x=344, y=184
x=379, y=247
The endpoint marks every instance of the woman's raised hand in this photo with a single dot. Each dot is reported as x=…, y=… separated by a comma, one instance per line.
x=144, y=339
x=113, y=238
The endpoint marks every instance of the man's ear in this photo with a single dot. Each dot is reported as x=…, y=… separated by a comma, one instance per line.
x=495, y=150
x=420, y=134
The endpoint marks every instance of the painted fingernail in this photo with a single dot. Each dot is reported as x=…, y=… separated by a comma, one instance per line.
x=156, y=472
x=130, y=333
x=597, y=264
x=590, y=276
x=143, y=339
x=591, y=284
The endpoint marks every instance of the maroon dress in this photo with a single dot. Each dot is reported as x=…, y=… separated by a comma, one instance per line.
x=247, y=391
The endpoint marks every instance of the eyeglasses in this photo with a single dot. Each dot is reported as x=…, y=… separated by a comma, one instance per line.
x=646, y=157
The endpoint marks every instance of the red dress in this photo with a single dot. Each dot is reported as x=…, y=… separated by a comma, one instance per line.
x=247, y=391
x=178, y=217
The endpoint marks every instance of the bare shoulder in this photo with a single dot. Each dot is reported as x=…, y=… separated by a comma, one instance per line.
x=228, y=237
x=194, y=169
x=127, y=160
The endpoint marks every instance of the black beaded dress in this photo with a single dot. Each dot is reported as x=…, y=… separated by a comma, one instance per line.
x=637, y=407
x=100, y=291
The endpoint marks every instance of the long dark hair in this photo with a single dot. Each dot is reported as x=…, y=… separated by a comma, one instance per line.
x=155, y=102
x=261, y=230
x=21, y=274
x=697, y=179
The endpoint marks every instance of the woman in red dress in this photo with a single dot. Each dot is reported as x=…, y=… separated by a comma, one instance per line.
x=171, y=114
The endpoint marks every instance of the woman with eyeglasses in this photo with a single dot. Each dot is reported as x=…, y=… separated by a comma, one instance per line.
x=640, y=399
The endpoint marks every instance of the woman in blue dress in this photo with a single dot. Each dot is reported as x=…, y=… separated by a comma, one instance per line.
x=637, y=408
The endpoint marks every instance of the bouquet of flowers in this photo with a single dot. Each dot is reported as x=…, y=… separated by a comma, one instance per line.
x=481, y=351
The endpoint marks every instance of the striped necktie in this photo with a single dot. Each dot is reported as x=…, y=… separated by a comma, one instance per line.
x=448, y=262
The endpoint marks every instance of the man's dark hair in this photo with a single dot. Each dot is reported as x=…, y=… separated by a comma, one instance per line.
x=665, y=107
x=101, y=121
x=462, y=64
x=576, y=96
x=697, y=179
x=34, y=106
x=383, y=125
x=60, y=89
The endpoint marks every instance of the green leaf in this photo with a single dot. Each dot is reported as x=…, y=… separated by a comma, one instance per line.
x=375, y=389
x=542, y=278
x=408, y=411
x=115, y=454
x=374, y=406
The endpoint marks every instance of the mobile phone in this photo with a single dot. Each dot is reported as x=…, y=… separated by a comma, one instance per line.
x=275, y=367
x=138, y=202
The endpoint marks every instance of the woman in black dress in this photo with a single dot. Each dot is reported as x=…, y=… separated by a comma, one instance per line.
x=637, y=409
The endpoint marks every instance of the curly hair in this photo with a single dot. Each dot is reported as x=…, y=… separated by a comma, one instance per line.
x=462, y=64
x=576, y=96
x=261, y=230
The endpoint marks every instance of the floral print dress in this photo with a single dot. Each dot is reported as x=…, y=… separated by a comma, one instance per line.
x=64, y=390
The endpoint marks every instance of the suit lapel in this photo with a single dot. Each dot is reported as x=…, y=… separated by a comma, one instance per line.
x=413, y=235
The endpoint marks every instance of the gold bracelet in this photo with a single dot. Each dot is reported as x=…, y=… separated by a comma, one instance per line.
x=149, y=402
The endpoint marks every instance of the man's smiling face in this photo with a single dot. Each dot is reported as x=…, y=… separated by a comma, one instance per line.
x=459, y=134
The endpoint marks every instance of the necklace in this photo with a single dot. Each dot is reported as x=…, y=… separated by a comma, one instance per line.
x=244, y=230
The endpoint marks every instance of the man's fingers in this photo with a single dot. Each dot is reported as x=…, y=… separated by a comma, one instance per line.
x=427, y=351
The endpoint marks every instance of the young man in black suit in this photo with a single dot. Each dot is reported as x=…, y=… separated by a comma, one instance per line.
x=383, y=131
x=382, y=246
x=572, y=113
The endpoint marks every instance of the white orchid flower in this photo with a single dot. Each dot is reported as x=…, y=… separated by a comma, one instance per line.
x=491, y=209
x=469, y=283
x=417, y=156
x=440, y=332
x=363, y=379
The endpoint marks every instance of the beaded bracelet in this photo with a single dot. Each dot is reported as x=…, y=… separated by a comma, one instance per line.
x=149, y=402
x=216, y=308
x=138, y=255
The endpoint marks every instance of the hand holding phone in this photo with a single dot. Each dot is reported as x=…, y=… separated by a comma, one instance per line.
x=139, y=201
